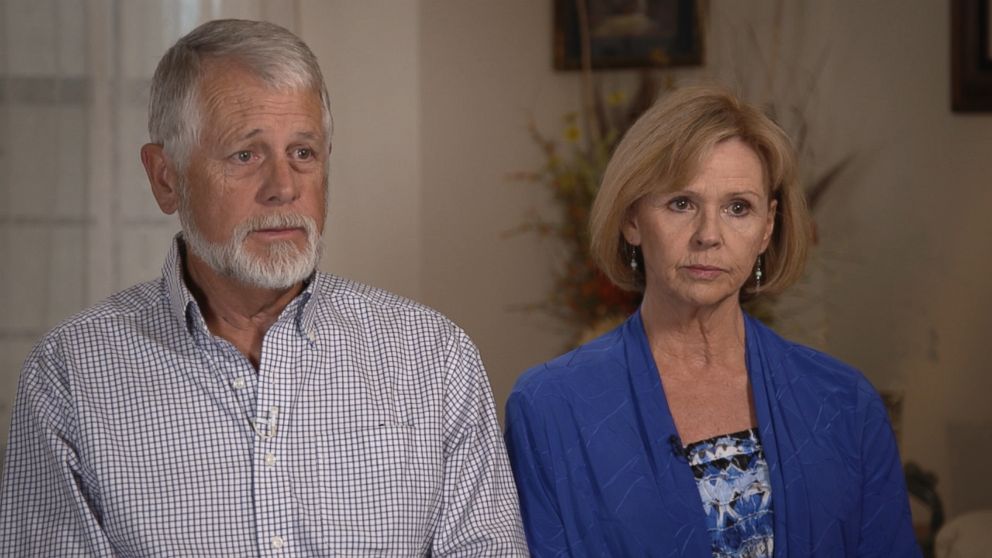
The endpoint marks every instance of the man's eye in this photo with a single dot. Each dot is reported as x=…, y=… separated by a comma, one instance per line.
x=304, y=153
x=243, y=156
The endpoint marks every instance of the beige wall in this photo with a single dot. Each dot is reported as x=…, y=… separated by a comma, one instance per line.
x=432, y=99
x=485, y=71
x=369, y=52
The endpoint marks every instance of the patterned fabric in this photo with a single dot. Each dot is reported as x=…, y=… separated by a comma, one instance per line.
x=732, y=476
x=368, y=429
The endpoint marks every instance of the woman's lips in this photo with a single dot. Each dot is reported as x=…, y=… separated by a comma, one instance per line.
x=703, y=272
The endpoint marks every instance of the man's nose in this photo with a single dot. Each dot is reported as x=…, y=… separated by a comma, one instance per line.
x=281, y=182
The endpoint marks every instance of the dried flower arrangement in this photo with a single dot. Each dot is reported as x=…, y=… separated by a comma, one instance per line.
x=583, y=298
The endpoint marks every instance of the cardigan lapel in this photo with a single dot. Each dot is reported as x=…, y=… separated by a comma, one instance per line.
x=792, y=529
x=682, y=508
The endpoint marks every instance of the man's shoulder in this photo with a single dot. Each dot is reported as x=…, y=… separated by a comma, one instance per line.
x=116, y=319
x=385, y=313
x=346, y=294
x=129, y=305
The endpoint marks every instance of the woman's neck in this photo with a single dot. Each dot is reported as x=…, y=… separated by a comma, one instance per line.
x=694, y=338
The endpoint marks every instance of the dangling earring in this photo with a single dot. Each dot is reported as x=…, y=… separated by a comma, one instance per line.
x=758, y=274
x=633, y=258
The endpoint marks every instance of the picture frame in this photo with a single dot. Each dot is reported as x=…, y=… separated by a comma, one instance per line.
x=629, y=33
x=971, y=56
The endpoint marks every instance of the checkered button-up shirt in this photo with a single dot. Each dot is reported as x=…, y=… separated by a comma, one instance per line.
x=367, y=430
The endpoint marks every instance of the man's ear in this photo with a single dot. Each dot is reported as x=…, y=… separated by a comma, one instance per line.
x=161, y=177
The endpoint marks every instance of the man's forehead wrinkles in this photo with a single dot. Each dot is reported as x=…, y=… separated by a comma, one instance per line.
x=235, y=134
x=243, y=107
x=242, y=121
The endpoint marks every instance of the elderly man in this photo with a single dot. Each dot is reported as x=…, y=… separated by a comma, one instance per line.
x=244, y=404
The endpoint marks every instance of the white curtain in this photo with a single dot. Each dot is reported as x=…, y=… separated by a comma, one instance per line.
x=77, y=220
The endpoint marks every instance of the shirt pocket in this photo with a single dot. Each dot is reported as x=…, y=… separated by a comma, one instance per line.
x=360, y=497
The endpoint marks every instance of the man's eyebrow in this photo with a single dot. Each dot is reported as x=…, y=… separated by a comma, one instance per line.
x=306, y=134
x=312, y=136
x=248, y=135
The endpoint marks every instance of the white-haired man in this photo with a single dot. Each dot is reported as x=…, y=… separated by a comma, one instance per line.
x=244, y=404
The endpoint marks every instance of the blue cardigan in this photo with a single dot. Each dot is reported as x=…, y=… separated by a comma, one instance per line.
x=600, y=472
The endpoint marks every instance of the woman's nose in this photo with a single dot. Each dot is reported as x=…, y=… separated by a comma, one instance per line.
x=707, y=233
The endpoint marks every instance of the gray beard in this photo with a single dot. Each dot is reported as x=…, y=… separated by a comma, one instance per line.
x=281, y=267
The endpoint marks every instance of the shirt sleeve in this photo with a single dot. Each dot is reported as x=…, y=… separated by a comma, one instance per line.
x=480, y=515
x=532, y=469
x=886, y=525
x=46, y=506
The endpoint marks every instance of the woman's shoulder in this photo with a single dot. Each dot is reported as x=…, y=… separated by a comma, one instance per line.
x=797, y=363
x=584, y=368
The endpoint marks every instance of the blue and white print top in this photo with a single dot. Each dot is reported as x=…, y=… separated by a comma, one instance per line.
x=732, y=477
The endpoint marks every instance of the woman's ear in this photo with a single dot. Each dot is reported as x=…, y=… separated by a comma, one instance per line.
x=161, y=177
x=769, y=225
x=629, y=228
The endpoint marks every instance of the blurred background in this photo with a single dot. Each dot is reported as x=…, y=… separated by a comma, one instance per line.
x=433, y=102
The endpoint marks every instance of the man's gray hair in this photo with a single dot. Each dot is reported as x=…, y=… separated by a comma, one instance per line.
x=275, y=55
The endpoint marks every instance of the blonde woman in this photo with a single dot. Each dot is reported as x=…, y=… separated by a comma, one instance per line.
x=693, y=429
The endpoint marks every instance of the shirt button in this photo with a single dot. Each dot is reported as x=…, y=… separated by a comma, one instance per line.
x=312, y=336
x=278, y=542
x=239, y=383
x=270, y=459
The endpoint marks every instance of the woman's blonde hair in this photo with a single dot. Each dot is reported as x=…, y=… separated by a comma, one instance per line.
x=662, y=152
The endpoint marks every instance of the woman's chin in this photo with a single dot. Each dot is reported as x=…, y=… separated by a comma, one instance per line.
x=700, y=296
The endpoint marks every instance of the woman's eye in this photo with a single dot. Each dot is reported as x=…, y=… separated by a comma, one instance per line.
x=680, y=204
x=739, y=208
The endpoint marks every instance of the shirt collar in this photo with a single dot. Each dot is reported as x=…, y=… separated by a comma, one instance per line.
x=302, y=309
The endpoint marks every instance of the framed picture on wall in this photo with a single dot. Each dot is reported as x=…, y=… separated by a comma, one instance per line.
x=971, y=56
x=628, y=33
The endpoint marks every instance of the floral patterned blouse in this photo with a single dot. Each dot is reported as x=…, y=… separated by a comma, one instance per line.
x=732, y=477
